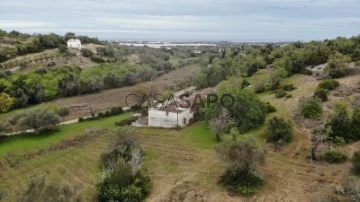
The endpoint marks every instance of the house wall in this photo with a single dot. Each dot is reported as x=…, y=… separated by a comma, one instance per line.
x=74, y=44
x=159, y=118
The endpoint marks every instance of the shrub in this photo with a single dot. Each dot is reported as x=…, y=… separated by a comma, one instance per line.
x=6, y=102
x=116, y=110
x=310, y=107
x=245, y=160
x=241, y=182
x=124, y=179
x=321, y=94
x=289, y=96
x=356, y=163
x=280, y=93
x=289, y=87
x=86, y=52
x=81, y=119
x=107, y=114
x=334, y=156
x=64, y=111
x=38, y=119
x=343, y=125
x=279, y=130
x=97, y=59
x=40, y=189
x=127, y=121
x=329, y=84
x=101, y=114
x=270, y=108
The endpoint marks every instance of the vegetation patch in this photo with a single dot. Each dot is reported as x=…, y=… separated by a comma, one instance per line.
x=279, y=130
x=123, y=178
x=245, y=160
x=329, y=84
x=310, y=108
x=356, y=163
x=334, y=156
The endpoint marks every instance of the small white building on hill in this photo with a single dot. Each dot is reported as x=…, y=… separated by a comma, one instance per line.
x=74, y=43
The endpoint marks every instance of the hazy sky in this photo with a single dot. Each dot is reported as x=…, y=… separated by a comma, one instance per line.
x=236, y=20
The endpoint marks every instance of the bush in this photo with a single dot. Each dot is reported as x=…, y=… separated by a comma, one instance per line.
x=245, y=160
x=38, y=119
x=124, y=179
x=289, y=96
x=310, y=107
x=241, y=182
x=116, y=110
x=356, y=163
x=321, y=94
x=279, y=130
x=270, y=108
x=107, y=114
x=40, y=189
x=343, y=125
x=127, y=121
x=86, y=52
x=101, y=114
x=81, y=119
x=64, y=111
x=121, y=185
x=329, y=84
x=289, y=87
x=280, y=93
x=334, y=156
x=97, y=59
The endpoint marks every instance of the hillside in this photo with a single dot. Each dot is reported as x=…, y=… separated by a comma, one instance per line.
x=292, y=133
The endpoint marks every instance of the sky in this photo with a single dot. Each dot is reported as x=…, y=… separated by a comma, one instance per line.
x=181, y=20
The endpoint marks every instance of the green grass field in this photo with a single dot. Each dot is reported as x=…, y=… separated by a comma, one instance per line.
x=31, y=142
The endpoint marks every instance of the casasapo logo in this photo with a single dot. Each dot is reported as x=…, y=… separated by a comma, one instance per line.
x=182, y=101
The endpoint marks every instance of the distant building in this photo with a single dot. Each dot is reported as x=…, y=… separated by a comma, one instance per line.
x=74, y=43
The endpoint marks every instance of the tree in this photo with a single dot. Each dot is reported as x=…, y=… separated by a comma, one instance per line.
x=343, y=124
x=279, y=130
x=144, y=94
x=245, y=160
x=38, y=119
x=63, y=48
x=276, y=76
x=6, y=102
x=69, y=35
x=320, y=136
x=247, y=110
x=112, y=80
x=219, y=124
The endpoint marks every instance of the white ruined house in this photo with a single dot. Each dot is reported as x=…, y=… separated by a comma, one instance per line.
x=173, y=114
x=170, y=116
x=74, y=43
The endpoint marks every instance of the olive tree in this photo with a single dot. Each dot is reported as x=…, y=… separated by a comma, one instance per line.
x=219, y=124
x=245, y=161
